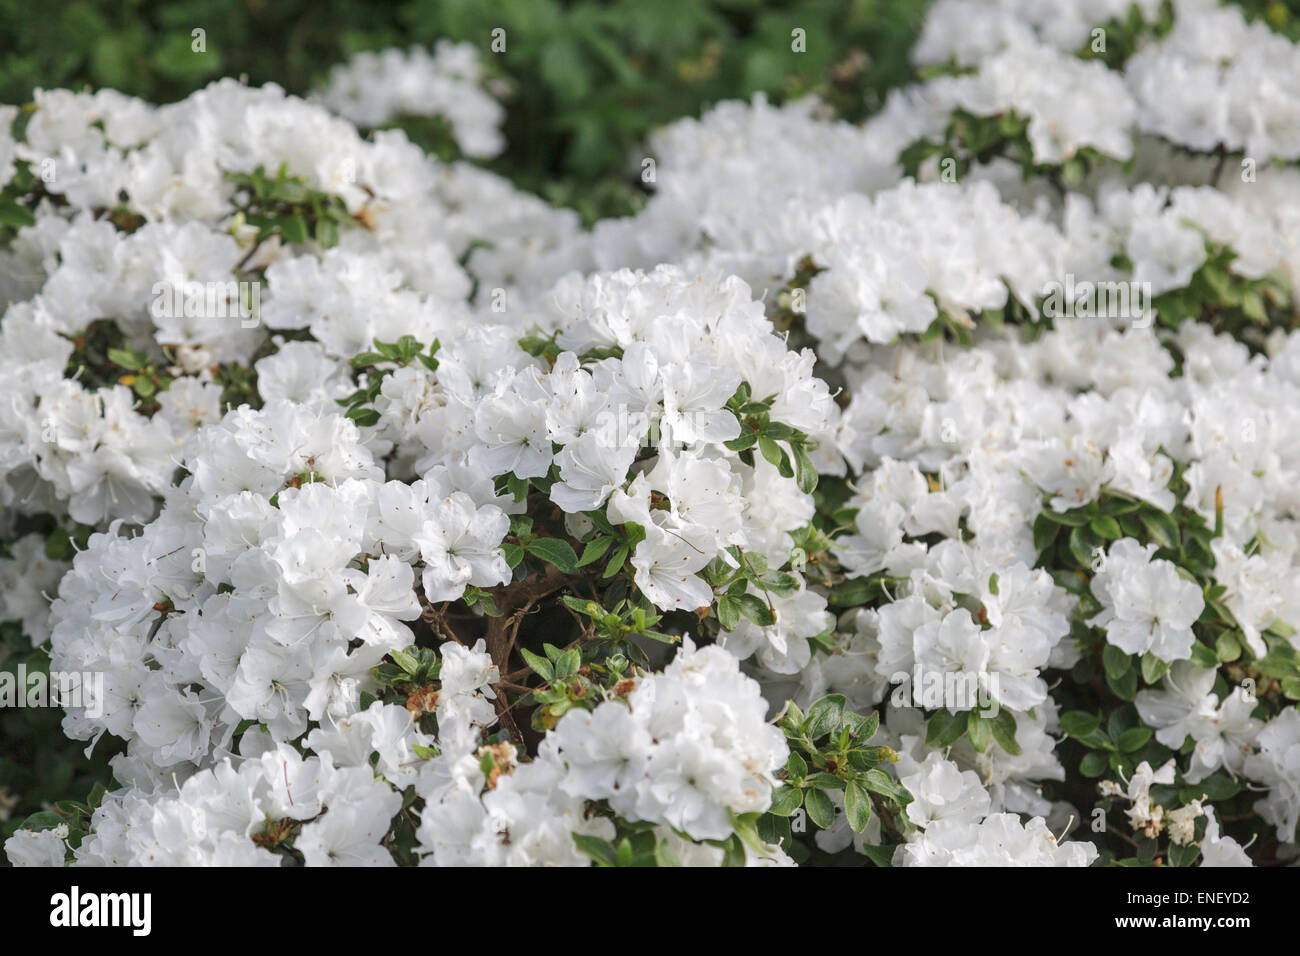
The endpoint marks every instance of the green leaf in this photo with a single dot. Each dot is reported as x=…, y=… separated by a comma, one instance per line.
x=771, y=451
x=665, y=855
x=1133, y=739
x=1078, y=723
x=944, y=729
x=97, y=794
x=1203, y=657
x=584, y=605
x=824, y=716
x=1045, y=531
x=857, y=807
x=12, y=214
x=778, y=582
x=1280, y=628
x=365, y=417
x=879, y=855
x=824, y=781
x=1083, y=545
x=43, y=820
x=293, y=228
x=1217, y=786
x=602, y=851
x=796, y=766
x=568, y=663
x=1275, y=664
x=1004, y=731
x=1107, y=528
x=405, y=661
x=540, y=665
x=1161, y=527
x=728, y=612
x=756, y=609
x=486, y=603
x=820, y=809
x=792, y=719
x=733, y=852
x=1116, y=661
x=1124, y=686
x=1093, y=764
x=1184, y=855
x=979, y=731
x=327, y=233
x=785, y=800
x=884, y=784
x=554, y=551
x=615, y=563
x=1071, y=519
x=125, y=358
x=594, y=551
x=852, y=592
x=1252, y=304
x=861, y=727
x=805, y=471
x=1153, y=668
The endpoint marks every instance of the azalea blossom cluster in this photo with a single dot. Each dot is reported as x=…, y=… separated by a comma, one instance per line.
x=801, y=502
x=373, y=89
x=733, y=189
x=1207, y=78
x=76, y=442
x=273, y=598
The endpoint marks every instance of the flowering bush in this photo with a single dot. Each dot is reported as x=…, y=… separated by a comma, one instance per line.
x=916, y=492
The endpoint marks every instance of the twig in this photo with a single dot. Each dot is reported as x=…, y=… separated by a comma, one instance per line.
x=886, y=818
x=507, y=719
x=514, y=601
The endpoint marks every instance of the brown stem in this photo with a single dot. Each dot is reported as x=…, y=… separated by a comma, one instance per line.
x=507, y=719
x=514, y=601
x=436, y=618
x=248, y=256
x=517, y=675
x=1222, y=152
x=512, y=686
x=886, y=818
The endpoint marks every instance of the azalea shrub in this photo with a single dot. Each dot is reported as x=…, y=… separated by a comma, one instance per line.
x=908, y=490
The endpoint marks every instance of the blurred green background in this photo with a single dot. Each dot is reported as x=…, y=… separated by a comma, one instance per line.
x=589, y=81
